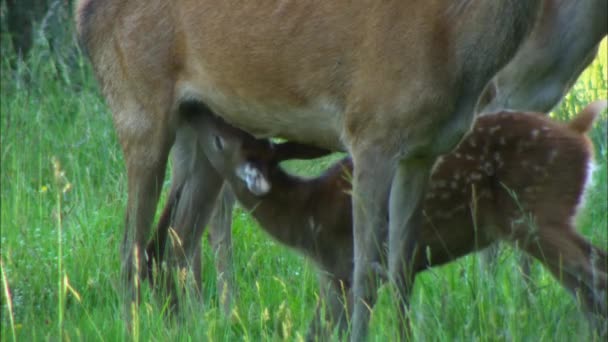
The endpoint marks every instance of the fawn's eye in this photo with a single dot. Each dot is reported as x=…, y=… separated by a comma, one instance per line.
x=219, y=143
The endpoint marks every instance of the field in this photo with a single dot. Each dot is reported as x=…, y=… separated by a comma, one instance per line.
x=63, y=194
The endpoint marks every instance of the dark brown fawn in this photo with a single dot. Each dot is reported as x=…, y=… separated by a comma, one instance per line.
x=562, y=44
x=516, y=177
x=394, y=83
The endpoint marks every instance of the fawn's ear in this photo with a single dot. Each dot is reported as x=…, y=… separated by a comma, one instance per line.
x=583, y=121
x=257, y=183
x=292, y=150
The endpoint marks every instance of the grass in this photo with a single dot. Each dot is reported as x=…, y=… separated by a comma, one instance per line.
x=63, y=193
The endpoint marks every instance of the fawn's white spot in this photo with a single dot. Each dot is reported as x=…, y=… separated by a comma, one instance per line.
x=552, y=155
x=534, y=133
x=439, y=184
x=488, y=168
x=498, y=159
x=494, y=129
x=448, y=214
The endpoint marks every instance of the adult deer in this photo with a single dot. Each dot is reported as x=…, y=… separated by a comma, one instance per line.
x=563, y=43
x=394, y=83
x=516, y=177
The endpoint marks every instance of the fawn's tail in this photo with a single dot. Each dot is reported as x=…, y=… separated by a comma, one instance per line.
x=583, y=121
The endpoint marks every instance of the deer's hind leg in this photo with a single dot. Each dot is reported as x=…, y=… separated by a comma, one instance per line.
x=156, y=247
x=145, y=143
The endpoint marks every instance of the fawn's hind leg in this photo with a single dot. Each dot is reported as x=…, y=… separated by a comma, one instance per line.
x=577, y=265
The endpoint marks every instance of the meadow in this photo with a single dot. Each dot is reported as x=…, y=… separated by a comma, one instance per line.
x=63, y=194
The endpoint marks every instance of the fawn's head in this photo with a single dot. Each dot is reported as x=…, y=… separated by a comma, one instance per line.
x=237, y=155
x=242, y=158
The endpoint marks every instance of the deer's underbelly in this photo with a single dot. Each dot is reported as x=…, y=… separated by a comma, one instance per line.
x=267, y=109
x=310, y=124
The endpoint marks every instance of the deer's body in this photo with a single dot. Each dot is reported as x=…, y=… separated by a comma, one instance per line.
x=517, y=177
x=394, y=83
x=562, y=44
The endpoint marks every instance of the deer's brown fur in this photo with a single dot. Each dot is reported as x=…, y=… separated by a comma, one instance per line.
x=563, y=43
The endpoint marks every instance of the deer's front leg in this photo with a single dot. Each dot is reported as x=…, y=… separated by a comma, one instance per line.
x=146, y=155
x=405, y=221
x=373, y=172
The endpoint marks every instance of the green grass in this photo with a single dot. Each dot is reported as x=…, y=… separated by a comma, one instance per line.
x=65, y=221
